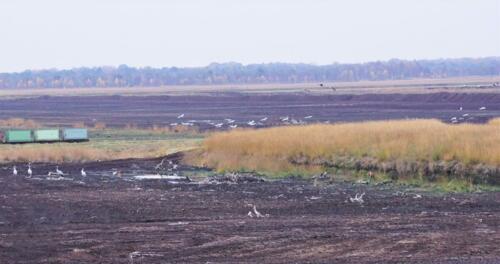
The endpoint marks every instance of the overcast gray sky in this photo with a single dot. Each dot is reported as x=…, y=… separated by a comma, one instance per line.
x=36, y=34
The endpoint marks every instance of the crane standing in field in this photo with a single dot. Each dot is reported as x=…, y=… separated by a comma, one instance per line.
x=14, y=171
x=59, y=172
x=30, y=172
x=83, y=173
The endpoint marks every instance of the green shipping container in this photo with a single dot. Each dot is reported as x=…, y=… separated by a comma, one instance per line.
x=75, y=134
x=47, y=135
x=18, y=136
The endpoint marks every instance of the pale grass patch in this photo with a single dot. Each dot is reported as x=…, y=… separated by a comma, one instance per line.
x=60, y=152
x=94, y=150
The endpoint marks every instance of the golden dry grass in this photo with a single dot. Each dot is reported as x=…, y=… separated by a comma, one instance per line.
x=410, y=140
x=100, y=125
x=19, y=123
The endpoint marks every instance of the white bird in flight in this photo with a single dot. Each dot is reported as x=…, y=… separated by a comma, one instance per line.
x=482, y=108
x=264, y=119
x=180, y=116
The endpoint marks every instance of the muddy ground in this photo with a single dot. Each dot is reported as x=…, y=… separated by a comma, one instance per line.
x=201, y=109
x=103, y=218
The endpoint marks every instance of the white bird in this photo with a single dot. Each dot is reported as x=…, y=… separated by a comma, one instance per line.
x=284, y=119
x=14, y=170
x=219, y=125
x=252, y=123
x=233, y=126
x=83, y=173
x=460, y=109
x=30, y=172
x=180, y=116
x=464, y=115
x=229, y=121
x=173, y=124
x=482, y=108
x=454, y=118
x=308, y=117
x=257, y=213
x=264, y=119
x=59, y=172
x=117, y=173
x=358, y=198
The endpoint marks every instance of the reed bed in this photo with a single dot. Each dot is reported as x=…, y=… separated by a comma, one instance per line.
x=419, y=141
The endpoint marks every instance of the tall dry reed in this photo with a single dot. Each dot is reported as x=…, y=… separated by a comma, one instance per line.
x=410, y=140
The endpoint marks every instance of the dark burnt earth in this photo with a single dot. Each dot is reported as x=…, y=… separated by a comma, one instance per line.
x=109, y=219
x=146, y=111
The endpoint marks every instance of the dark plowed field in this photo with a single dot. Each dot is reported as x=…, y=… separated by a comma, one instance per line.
x=108, y=219
x=163, y=110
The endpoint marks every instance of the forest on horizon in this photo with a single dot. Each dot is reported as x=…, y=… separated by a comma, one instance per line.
x=236, y=73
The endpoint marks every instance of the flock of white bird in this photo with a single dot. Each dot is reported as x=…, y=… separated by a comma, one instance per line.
x=171, y=167
x=285, y=120
x=57, y=172
x=463, y=117
x=231, y=123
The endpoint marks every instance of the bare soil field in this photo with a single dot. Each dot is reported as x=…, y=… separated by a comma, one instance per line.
x=471, y=84
x=103, y=218
x=201, y=110
x=113, y=216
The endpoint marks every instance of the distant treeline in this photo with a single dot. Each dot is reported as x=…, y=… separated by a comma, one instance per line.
x=235, y=73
